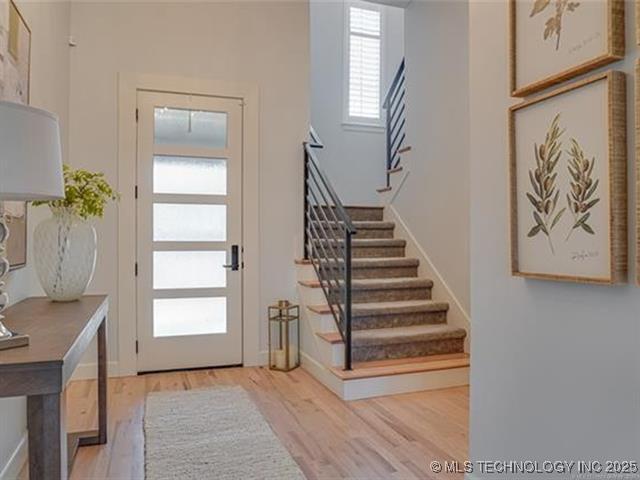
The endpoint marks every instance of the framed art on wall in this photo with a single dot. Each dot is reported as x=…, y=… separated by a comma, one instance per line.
x=555, y=40
x=638, y=171
x=15, y=65
x=568, y=183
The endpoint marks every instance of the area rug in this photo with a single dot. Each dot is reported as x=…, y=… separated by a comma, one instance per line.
x=212, y=434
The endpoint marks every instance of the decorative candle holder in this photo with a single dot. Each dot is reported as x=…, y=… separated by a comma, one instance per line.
x=284, y=336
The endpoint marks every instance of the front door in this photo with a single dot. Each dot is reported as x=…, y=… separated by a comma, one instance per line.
x=189, y=224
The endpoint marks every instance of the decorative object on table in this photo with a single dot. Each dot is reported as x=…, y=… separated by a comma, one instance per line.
x=569, y=183
x=66, y=244
x=30, y=169
x=15, y=50
x=284, y=336
x=554, y=40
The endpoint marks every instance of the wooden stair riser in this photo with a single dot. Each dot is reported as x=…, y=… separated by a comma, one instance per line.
x=398, y=320
x=407, y=350
x=368, y=214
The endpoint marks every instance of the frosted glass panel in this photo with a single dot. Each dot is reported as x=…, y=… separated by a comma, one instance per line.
x=193, y=128
x=189, y=316
x=184, y=222
x=186, y=175
x=189, y=270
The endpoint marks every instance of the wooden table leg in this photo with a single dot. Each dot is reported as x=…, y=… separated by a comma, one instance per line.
x=100, y=438
x=47, y=437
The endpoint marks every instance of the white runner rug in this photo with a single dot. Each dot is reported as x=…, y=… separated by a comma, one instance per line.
x=216, y=433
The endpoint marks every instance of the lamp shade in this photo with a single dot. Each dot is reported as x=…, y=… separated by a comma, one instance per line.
x=30, y=154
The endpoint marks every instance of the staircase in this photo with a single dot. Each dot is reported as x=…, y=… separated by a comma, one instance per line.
x=400, y=338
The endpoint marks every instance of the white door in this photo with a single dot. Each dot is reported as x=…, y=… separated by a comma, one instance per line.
x=189, y=231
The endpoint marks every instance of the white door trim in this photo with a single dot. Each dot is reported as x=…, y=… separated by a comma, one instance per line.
x=128, y=85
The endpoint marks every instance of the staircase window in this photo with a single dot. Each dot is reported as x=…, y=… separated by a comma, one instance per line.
x=364, y=64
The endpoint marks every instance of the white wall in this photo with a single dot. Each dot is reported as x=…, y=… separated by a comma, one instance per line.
x=556, y=366
x=433, y=202
x=353, y=158
x=49, y=23
x=264, y=43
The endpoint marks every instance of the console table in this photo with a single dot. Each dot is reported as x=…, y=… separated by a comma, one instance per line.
x=59, y=334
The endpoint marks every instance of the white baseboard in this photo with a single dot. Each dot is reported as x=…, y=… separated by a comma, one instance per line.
x=457, y=315
x=322, y=374
x=18, y=458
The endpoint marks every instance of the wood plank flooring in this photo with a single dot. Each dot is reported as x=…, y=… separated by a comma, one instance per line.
x=393, y=437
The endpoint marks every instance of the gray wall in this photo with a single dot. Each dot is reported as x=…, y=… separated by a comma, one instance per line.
x=434, y=200
x=353, y=158
x=555, y=371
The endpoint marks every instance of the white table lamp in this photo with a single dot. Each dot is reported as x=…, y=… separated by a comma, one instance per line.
x=30, y=169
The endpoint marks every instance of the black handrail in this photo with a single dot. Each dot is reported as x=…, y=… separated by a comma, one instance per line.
x=394, y=104
x=328, y=234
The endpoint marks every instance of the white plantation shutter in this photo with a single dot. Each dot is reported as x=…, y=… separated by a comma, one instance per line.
x=364, y=63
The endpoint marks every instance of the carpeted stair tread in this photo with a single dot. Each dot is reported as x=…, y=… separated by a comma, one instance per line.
x=404, y=335
x=387, y=308
x=364, y=224
x=397, y=335
x=381, y=262
x=379, y=283
x=371, y=242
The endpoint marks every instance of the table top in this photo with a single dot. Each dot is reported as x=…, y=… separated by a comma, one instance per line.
x=58, y=332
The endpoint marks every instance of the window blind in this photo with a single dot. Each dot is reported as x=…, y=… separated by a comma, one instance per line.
x=364, y=63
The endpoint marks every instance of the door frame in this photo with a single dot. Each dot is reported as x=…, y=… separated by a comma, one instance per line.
x=128, y=86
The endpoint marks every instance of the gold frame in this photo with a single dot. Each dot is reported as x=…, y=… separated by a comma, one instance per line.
x=617, y=158
x=615, y=52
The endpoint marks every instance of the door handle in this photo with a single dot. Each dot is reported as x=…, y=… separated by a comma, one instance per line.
x=235, y=263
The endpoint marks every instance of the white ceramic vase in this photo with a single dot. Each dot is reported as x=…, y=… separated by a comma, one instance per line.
x=65, y=255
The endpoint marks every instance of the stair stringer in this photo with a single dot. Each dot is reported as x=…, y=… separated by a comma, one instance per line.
x=318, y=356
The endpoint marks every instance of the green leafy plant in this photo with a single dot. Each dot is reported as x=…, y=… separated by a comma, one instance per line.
x=544, y=197
x=86, y=194
x=553, y=25
x=583, y=188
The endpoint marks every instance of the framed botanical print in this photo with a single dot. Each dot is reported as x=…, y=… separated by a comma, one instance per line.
x=554, y=40
x=15, y=64
x=638, y=170
x=568, y=183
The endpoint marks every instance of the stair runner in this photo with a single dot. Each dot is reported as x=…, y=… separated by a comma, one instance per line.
x=393, y=315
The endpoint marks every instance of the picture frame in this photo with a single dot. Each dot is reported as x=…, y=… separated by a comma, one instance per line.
x=570, y=190
x=15, y=71
x=553, y=55
x=637, y=118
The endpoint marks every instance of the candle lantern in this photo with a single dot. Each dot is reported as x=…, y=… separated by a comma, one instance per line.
x=284, y=336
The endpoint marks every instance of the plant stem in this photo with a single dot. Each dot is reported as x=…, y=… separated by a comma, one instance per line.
x=553, y=250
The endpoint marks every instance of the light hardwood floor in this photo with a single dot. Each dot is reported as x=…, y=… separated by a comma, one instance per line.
x=393, y=437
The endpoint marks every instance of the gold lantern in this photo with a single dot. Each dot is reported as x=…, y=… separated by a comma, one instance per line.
x=284, y=336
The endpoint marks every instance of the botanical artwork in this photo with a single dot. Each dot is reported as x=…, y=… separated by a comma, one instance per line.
x=545, y=194
x=554, y=40
x=581, y=190
x=15, y=54
x=553, y=24
x=568, y=187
